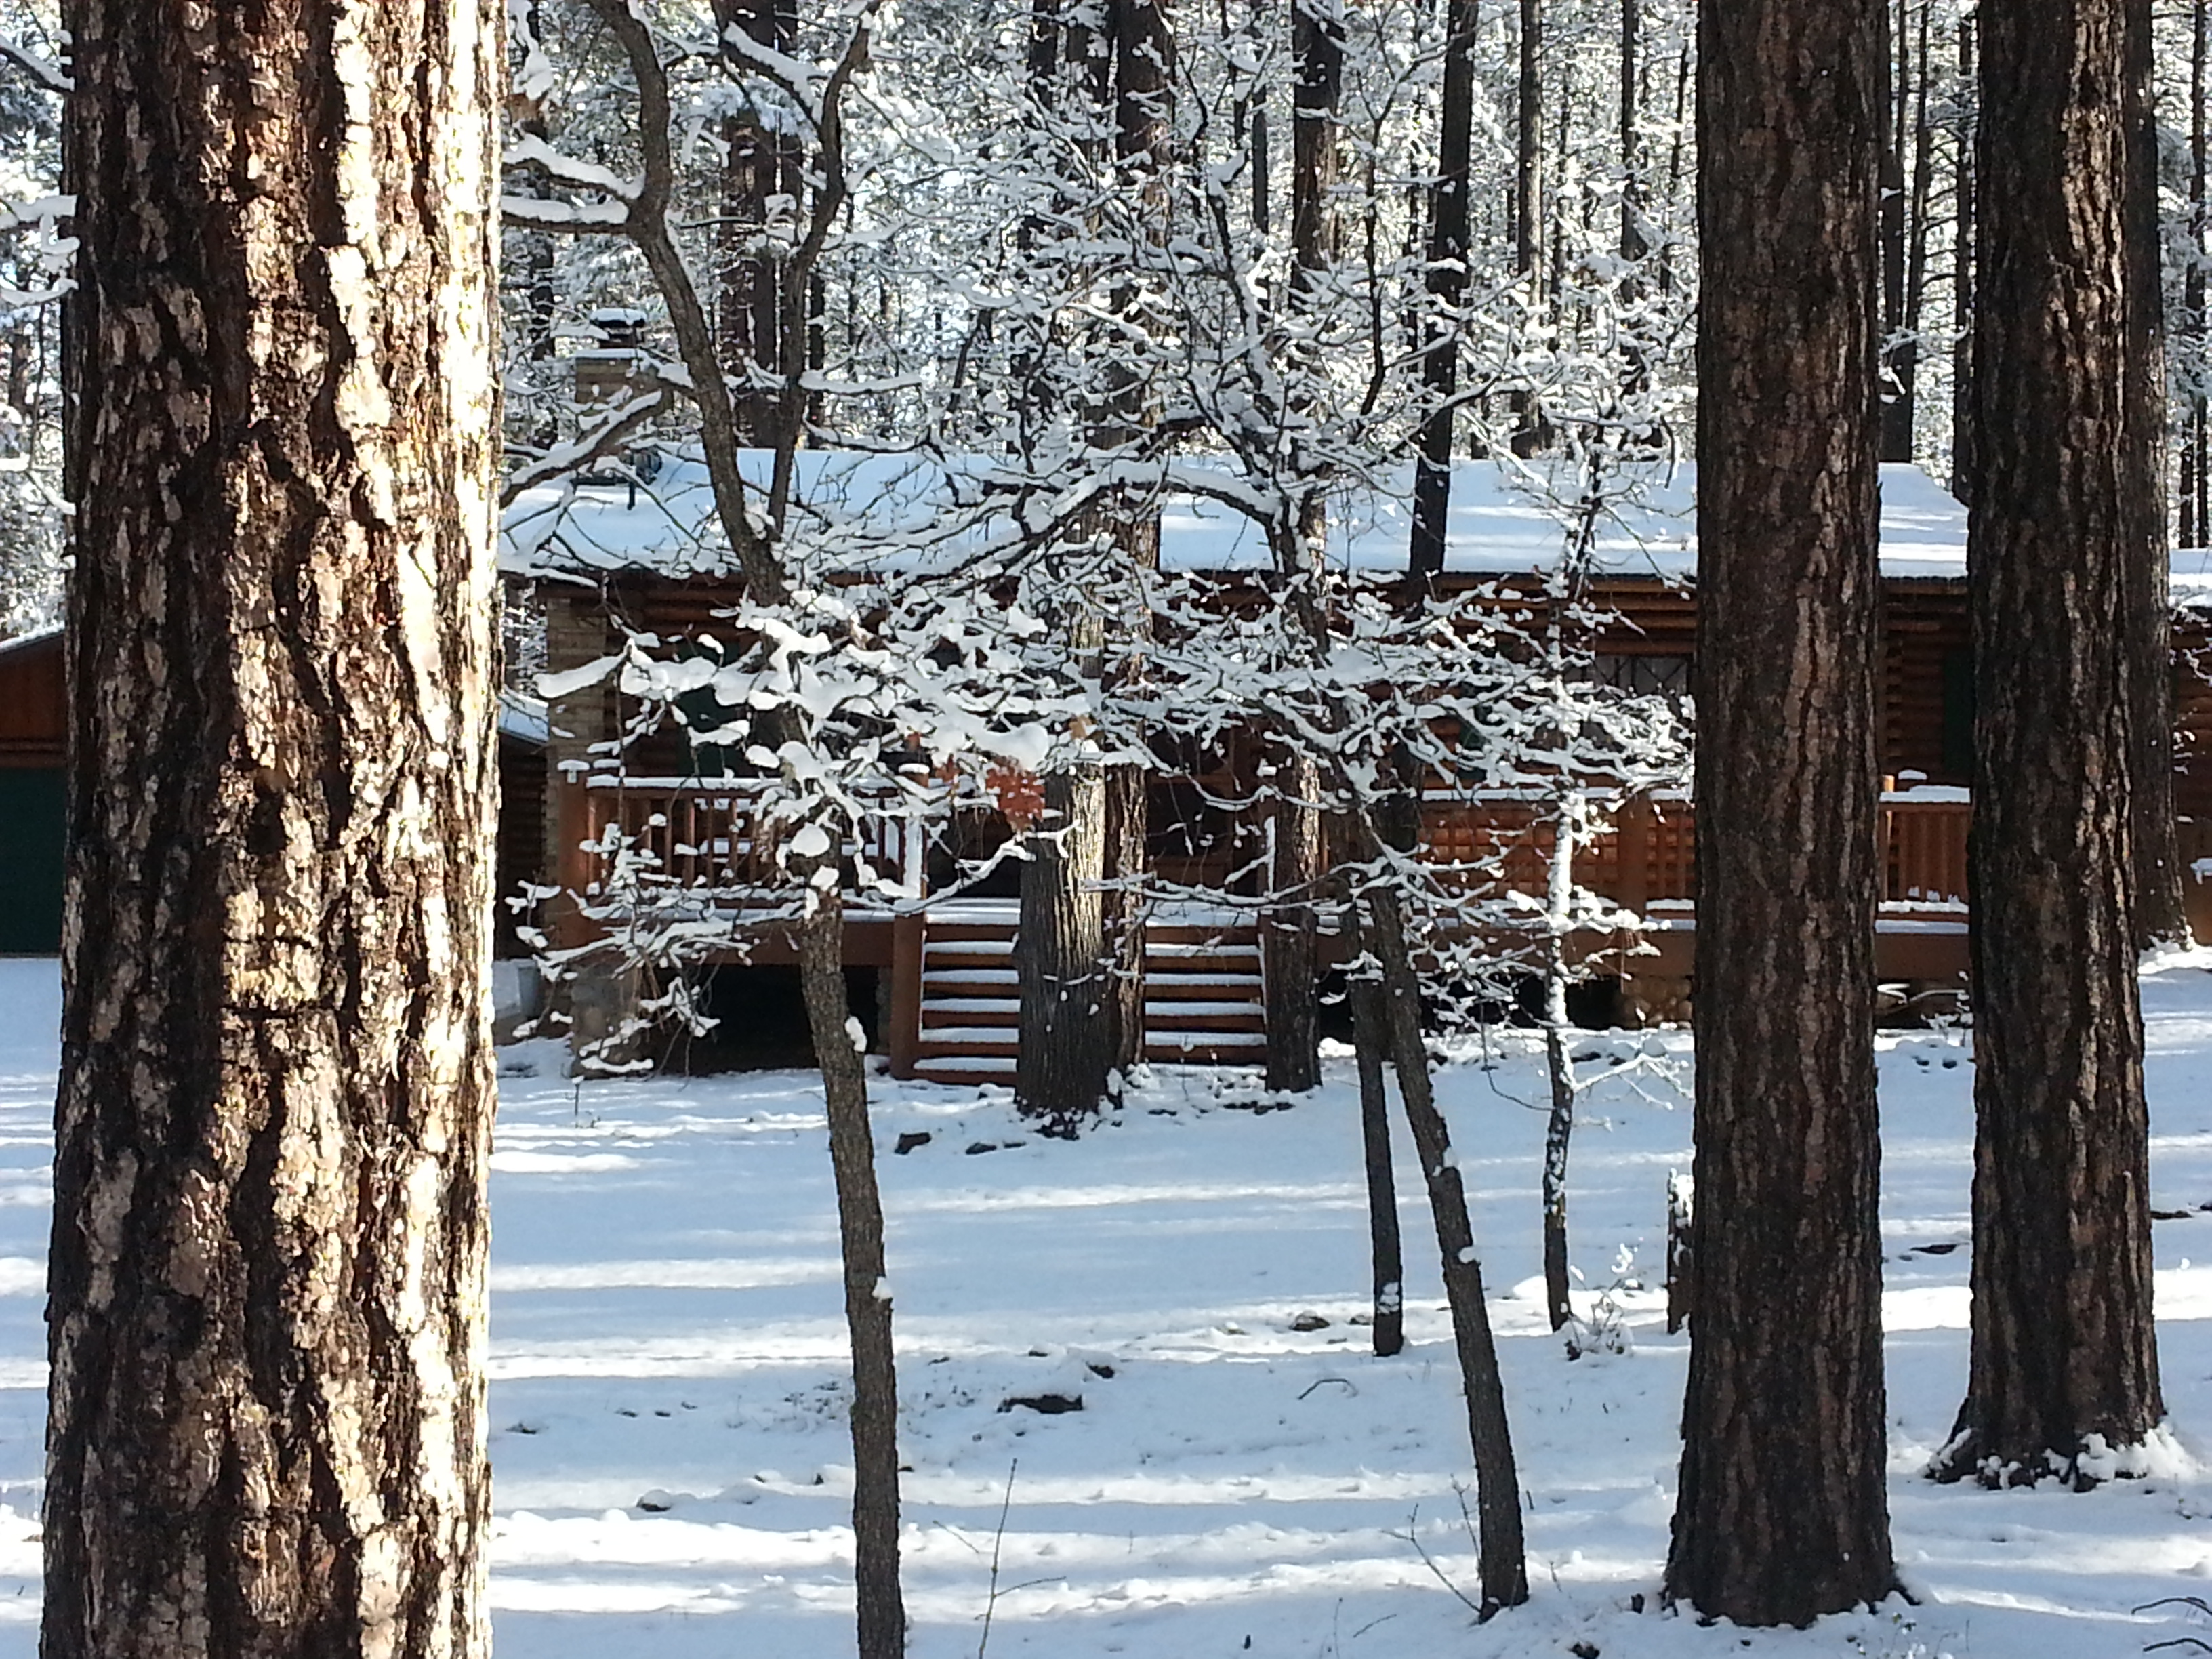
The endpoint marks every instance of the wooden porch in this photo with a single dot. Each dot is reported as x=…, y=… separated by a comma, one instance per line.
x=951, y=1007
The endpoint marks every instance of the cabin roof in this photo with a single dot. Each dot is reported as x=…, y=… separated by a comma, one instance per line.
x=523, y=717
x=50, y=635
x=1507, y=518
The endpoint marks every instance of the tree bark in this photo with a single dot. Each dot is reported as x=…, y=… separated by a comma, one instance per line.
x=1964, y=236
x=1144, y=102
x=1893, y=394
x=266, y=1313
x=1371, y=1044
x=1317, y=56
x=1125, y=859
x=1060, y=1070
x=1675, y=148
x=547, y=384
x=1447, y=287
x=1632, y=154
x=1385, y=1248
x=2161, y=914
x=1290, y=953
x=1781, y=1512
x=1904, y=232
x=2196, y=478
x=837, y=1050
x=1529, y=205
x=1559, y=1067
x=2063, y=1344
x=1502, y=1557
x=1289, y=934
x=1065, y=1041
x=760, y=165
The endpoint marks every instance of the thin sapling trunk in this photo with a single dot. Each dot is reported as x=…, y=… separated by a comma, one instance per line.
x=1370, y=1043
x=838, y=1042
x=1558, y=1063
x=1503, y=1558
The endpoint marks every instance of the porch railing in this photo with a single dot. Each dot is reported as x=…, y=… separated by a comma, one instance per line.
x=711, y=839
x=1648, y=857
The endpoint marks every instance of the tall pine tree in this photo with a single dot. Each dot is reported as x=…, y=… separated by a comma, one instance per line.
x=2059, y=542
x=1783, y=1513
x=266, y=1429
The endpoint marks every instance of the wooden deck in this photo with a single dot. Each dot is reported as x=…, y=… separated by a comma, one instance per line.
x=952, y=1006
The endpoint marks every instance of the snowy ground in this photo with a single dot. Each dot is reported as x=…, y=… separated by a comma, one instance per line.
x=666, y=1327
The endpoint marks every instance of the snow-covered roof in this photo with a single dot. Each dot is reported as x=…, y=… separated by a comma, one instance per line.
x=2192, y=578
x=37, y=636
x=1503, y=520
x=522, y=717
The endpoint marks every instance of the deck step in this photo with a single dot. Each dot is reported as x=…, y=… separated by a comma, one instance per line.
x=1204, y=999
x=970, y=932
x=966, y=1070
x=1237, y=1020
x=969, y=1047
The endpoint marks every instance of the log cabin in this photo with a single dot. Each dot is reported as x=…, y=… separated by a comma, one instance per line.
x=33, y=805
x=33, y=808
x=932, y=981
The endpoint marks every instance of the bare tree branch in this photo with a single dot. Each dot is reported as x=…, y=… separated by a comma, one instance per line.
x=595, y=443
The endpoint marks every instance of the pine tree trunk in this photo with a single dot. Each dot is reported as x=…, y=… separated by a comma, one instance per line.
x=1963, y=445
x=1528, y=205
x=1064, y=1048
x=1125, y=859
x=881, y=1608
x=1632, y=154
x=1060, y=1070
x=2063, y=1344
x=1290, y=953
x=2195, y=480
x=1144, y=104
x=1676, y=147
x=1317, y=54
x=1289, y=937
x=2161, y=913
x=266, y=1315
x=1781, y=1512
x=1894, y=395
x=544, y=301
x=1904, y=360
x=747, y=291
x=1447, y=287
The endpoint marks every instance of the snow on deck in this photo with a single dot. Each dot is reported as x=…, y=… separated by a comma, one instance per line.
x=667, y=1326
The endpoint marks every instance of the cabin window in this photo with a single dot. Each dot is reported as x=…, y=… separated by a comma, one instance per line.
x=1959, y=713
x=1644, y=674
x=702, y=711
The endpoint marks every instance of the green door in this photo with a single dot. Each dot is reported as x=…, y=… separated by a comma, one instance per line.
x=31, y=819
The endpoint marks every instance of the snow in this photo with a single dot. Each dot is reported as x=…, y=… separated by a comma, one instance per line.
x=673, y=1473
x=1499, y=521
x=2192, y=577
x=523, y=717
